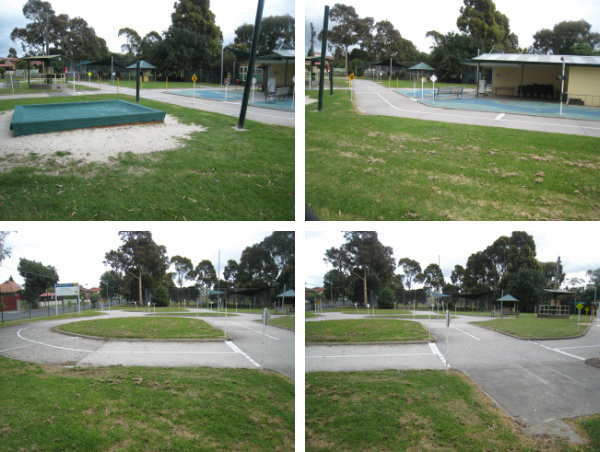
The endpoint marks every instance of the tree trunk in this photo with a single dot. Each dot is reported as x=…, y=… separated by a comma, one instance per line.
x=365, y=286
x=140, y=285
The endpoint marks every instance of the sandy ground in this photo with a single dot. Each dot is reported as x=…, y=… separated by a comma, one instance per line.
x=92, y=145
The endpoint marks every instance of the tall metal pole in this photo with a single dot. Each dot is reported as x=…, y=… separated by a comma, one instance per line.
x=248, y=85
x=137, y=82
x=222, y=52
x=562, y=86
x=323, y=54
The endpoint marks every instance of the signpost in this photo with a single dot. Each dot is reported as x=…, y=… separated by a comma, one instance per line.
x=67, y=289
x=266, y=317
x=578, y=306
x=447, y=326
x=194, y=79
x=433, y=78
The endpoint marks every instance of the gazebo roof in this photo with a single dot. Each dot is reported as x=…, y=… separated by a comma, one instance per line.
x=507, y=297
x=421, y=67
x=287, y=293
x=143, y=65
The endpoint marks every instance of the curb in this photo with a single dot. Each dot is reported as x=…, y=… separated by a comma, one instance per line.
x=533, y=338
x=424, y=341
x=123, y=339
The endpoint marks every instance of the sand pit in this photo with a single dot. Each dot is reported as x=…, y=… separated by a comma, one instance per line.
x=92, y=145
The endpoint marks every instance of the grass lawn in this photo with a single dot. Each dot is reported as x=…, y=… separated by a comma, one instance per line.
x=364, y=330
x=144, y=328
x=382, y=168
x=408, y=411
x=535, y=328
x=220, y=174
x=159, y=309
x=289, y=322
x=143, y=409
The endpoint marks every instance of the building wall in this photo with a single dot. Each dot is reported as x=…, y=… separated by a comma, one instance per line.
x=583, y=84
x=278, y=72
x=510, y=77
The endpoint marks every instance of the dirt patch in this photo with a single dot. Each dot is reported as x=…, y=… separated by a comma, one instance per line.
x=91, y=145
x=593, y=362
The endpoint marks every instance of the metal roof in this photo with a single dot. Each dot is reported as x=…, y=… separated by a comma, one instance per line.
x=143, y=65
x=507, y=297
x=517, y=59
x=421, y=67
x=286, y=54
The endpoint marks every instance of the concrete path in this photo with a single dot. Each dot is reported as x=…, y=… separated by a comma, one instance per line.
x=374, y=99
x=264, y=115
x=38, y=342
x=537, y=382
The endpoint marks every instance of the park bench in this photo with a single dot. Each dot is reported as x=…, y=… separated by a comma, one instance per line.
x=291, y=311
x=280, y=93
x=15, y=83
x=504, y=313
x=449, y=90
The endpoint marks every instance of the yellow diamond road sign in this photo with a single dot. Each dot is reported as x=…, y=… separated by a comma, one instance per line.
x=579, y=306
x=352, y=77
x=194, y=78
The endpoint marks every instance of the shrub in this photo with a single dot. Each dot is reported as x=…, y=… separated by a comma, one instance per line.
x=386, y=298
x=161, y=296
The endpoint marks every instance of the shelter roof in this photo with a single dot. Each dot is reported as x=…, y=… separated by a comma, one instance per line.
x=143, y=65
x=421, y=67
x=287, y=293
x=558, y=291
x=472, y=296
x=46, y=57
x=239, y=54
x=507, y=297
x=106, y=62
x=518, y=59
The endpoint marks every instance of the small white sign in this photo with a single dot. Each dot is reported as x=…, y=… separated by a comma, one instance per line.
x=266, y=316
x=433, y=78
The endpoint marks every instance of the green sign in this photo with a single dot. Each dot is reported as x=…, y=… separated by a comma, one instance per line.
x=579, y=306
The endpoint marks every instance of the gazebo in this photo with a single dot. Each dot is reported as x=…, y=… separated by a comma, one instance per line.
x=143, y=65
x=512, y=310
x=554, y=309
x=423, y=68
x=49, y=80
x=287, y=294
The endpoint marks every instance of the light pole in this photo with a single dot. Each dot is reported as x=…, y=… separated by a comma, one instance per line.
x=222, y=52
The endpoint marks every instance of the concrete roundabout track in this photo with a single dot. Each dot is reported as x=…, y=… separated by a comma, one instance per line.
x=39, y=342
x=538, y=383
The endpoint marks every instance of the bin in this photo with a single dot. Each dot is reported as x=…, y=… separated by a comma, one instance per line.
x=481, y=87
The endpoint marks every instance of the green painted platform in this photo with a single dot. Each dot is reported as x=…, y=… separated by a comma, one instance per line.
x=43, y=118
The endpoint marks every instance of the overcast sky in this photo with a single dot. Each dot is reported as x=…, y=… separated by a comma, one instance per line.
x=577, y=244
x=77, y=251
x=413, y=19
x=107, y=17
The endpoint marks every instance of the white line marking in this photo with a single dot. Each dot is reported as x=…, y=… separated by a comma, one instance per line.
x=139, y=352
x=256, y=331
x=500, y=116
x=557, y=372
x=468, y=334
x=436, y=351
x=368, y=356
x=559, y=351
x=53, y=346
x=519, y=121
x=537, y=377
x=582, y=346
x=236, y=349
